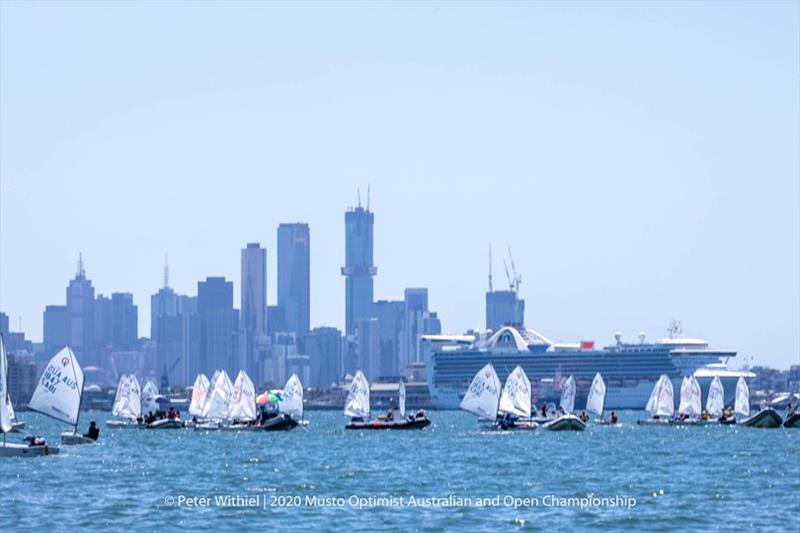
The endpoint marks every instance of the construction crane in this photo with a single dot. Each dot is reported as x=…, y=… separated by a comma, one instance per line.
x=514, y=279
x=165, y=376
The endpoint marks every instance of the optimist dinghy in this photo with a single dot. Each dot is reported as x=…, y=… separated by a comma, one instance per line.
x=567, y=420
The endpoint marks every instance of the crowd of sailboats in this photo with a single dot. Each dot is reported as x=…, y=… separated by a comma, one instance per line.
x=216, y=404
x=357, y=407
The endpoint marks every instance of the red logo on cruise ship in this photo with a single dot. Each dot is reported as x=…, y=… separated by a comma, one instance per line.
x=64, y=361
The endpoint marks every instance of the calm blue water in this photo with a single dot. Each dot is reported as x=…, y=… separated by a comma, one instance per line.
x=712, y=478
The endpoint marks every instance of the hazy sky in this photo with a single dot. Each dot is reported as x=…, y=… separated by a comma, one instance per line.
x=641, y=159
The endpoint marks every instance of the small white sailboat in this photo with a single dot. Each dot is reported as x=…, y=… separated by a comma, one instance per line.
x=765, y=418
x=567, y=420
x=16, y=424
x=290, y=408
x=483, y=395
x=242, y=406
x=661, y=405
x=357, y=404
x=199, y=398
x=13, y=449
x=596, y=400
x=215, y=409
x=514, y=409
x=127, y=404
x=58, y=394
x=715, y=404
x=690, y=407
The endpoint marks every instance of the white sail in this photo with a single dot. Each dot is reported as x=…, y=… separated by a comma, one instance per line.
x=597, y=396
x=715, y=402
x=652, y=403
x=219, y=397
x=121, y=396
x=483, y=395
x=199, y=395
x=568, y=395
x=58, y=393
x=242, y=406
x=134, y=398
x=686, y=397
x=6, y=411
x=150, y=397
x=357, y=404
x=742, y=404
x=401, y=396
x=214, y=377
x=665, y=403
x=516, y=396
x=292, y=401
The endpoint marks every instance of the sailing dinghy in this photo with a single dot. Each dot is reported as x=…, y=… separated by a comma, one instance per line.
x=290, y=407
x=127, y=404
x=13, y=449
x=58, y=394
x=215, y=409
x=567, y=420
x=661, y=405
x=690, y=407
x=715, y=405
x=483, y=395
x=199, y=397
x=514, y=409
x=765, y=418
x=596, y=400
x=242, y=407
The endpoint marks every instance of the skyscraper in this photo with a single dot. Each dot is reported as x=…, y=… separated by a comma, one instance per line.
x=56, y=329
x=324, y=348
x=80, y=311
x=253, y=304
x=368, y=347
x=217, y=325
x=390, y=315
x=294, y=282
x=124, y=322
x=503, y=308
x=359, y=268
x=418, y=321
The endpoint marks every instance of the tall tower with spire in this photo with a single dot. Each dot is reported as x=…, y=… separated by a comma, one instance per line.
x=359, y=268
x=80, y=316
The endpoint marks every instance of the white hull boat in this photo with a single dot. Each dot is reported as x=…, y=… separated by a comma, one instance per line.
x=165, y=423
x=124, y=424
x=241, y=427
x=23, y=450
x=654, y=422
x=566, y=423
x=766, y=418
x=685, y=422
x=70, y=438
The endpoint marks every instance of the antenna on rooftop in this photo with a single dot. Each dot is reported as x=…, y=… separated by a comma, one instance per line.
x=358, y=192
x=490, y=268
x=368, y=185
x=81, y=272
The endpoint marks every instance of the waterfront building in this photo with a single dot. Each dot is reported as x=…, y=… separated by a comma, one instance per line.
x=368, y=347
x=390, y=316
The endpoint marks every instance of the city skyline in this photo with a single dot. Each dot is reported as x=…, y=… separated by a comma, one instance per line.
x=635, y=185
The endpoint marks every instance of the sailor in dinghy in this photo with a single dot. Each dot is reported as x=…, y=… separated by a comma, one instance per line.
x=242, y=407
x=290, y=408
x=690, y=407
x=127, y=404
x=715, y=412
x=661, y=405
x=13, y=449
x=567, y=420
x=58, y=394
x=198, y=401
x=596, y=400
x=215, y=409
x=514, y=409
x=483, y=394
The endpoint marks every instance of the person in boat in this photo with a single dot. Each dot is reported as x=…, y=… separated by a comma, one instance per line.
x=93, y=432
x=544, y=410
x=139, y=419
x=704, y=416
x=584, y=417
x=420, y=414
x=34, y=441
x=150, y=418
x=789, y=410
x=613, y=417
x=561, y=411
